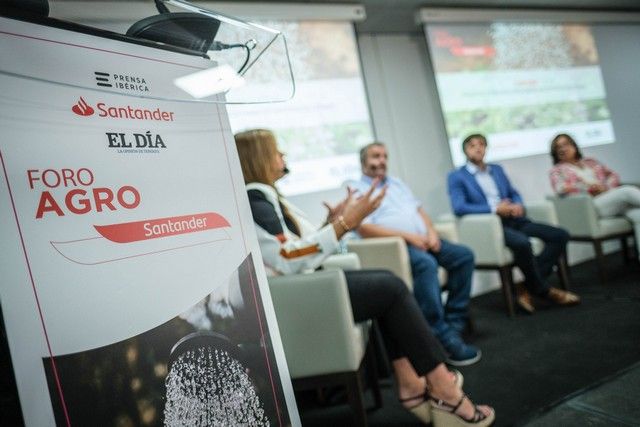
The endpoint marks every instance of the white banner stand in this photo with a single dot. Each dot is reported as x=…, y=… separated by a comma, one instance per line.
x=132, y=284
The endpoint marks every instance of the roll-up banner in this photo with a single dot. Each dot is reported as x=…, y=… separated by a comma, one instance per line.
x=132, y=287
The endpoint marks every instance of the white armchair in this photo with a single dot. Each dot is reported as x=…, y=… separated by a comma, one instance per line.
x=483, y=234
x=322, y=343
x=387, y=253
x=577, y=214
x=348, y=261
x=390, y=253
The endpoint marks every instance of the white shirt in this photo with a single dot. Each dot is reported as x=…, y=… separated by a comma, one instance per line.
x=487, y=184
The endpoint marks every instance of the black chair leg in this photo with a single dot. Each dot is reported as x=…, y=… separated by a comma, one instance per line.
x=597, y=245
x=354, y=391
x=624, y=248
x=372, y=370
x=506, y=278
x=384, y=369
x=563, y=272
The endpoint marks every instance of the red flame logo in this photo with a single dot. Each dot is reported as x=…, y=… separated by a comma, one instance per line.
x=82, y=108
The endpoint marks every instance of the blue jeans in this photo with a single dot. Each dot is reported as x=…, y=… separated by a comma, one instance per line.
x=451, y=318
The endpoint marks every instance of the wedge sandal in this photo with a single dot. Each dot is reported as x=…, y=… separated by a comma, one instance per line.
x=444, y=414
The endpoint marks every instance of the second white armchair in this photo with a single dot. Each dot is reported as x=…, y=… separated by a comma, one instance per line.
x=483, y=233
x=577, y=214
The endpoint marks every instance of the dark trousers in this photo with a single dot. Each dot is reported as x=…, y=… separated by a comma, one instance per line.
x=380, y=295
x=536, y=269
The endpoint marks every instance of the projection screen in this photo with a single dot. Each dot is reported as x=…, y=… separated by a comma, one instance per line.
x=519, y=84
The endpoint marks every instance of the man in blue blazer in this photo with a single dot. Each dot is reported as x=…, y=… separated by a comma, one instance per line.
x=478, y=187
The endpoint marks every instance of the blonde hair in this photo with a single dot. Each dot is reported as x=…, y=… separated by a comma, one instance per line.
x=256, y=149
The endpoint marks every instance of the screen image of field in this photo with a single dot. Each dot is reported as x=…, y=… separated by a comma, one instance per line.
x=520, y=85
x=324, y=125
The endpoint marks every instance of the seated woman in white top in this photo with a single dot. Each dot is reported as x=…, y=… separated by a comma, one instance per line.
x=290, y=245
x=573, y=174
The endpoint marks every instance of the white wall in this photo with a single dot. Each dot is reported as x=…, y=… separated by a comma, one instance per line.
x=406, y=115
x=311, y=203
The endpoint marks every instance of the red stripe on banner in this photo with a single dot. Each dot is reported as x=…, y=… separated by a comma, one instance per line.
x=265, y=338
x=128, y=232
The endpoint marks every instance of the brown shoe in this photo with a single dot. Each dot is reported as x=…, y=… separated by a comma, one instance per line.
x=524, y=299
x=560, y=297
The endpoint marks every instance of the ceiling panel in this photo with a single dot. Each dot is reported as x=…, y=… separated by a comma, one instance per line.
x=398, y=16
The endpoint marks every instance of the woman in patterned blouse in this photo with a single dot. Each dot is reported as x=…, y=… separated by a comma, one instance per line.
x=574, y=174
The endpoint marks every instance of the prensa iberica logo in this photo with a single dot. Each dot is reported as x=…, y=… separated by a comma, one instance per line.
x=128, y=82
x=83, y=108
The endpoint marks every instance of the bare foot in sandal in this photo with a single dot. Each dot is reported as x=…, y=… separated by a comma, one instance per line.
x=415, y=397
x=460, y=412
x=451, y=407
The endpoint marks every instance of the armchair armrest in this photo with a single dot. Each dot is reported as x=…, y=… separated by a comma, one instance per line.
x=447, y=229
x=483, y=234
x=542, y=211
x=388, y=253
x=577, y=214
x=316, y=323
x=348, y=261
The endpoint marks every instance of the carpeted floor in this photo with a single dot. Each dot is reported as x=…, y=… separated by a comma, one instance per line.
x=612, y=402
x=530, y=364
x=533, y=361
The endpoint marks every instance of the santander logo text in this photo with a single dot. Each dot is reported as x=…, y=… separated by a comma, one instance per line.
x=82, y=108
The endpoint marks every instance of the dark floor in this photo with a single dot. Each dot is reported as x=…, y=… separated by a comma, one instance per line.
x=531, y=363
x=540, y=370
x=613, y=402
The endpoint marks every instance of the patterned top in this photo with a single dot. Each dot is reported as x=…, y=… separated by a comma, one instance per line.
x=566, y=178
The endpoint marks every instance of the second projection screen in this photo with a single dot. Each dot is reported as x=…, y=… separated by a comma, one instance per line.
x=519, y=84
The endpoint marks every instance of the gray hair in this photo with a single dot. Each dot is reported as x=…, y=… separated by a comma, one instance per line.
x=365, y=150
